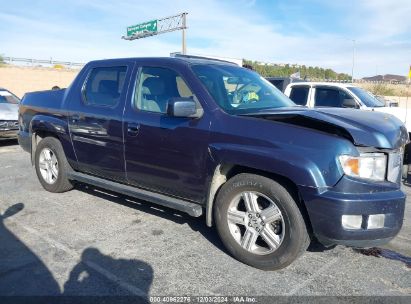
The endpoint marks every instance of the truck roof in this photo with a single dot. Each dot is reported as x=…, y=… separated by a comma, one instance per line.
x=177, y=59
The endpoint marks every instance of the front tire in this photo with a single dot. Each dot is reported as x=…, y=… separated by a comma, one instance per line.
x=52, y=166
x=259, y=222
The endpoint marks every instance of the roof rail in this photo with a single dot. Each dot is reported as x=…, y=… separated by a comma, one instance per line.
x=177, y=55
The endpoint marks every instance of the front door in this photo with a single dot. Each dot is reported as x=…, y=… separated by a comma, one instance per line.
x=95, y=120
x=163, y=153
x=325, y=96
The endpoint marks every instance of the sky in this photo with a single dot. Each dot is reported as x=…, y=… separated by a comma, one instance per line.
x=311, y=32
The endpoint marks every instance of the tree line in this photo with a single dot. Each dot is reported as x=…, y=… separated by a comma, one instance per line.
x=306, y=72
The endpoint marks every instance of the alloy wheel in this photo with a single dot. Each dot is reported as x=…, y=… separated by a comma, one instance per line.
x=256, y=222
x=48, y=165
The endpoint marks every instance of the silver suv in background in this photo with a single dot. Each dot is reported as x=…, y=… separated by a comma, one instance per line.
x=9, y=107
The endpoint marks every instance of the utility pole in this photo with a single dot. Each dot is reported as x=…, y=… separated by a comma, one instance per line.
x=353, y=60
x=408, y=93
x=184, y=46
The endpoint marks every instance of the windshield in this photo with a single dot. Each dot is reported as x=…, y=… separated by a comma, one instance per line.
x=7, y=97
x=240, y=91
x=366, y=98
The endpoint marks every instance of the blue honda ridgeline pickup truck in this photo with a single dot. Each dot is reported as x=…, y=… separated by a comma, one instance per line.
x=207, y=136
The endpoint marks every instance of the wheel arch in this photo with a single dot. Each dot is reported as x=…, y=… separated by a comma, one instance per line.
x=42, y=126
x=225, y=171
x=36, y=137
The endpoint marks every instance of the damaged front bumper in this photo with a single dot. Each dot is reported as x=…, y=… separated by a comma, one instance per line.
x=355, y=213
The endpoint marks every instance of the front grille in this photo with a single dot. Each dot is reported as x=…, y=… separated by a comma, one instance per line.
x=395, y=166
x=9, y=124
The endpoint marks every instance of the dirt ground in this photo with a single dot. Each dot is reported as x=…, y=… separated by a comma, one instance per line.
x=20, y=80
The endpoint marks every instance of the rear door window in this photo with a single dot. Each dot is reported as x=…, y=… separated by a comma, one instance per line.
x=299, y=94
x=104, y=85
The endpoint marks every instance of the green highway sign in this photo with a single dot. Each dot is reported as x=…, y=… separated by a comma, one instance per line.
x=150, y=26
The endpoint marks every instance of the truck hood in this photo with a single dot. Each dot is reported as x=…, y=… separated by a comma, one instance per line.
x=363, y=128
x=400, y=113
x=9, y=111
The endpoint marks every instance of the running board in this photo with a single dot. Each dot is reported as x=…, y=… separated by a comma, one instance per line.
x=160, y=199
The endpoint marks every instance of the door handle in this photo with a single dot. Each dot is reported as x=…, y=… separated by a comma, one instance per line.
x=133, y=128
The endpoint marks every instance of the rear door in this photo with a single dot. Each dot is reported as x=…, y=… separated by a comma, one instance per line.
x=163, y=153
x=95, y=120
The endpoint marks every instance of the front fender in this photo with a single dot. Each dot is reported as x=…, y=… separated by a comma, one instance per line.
x=293, y=165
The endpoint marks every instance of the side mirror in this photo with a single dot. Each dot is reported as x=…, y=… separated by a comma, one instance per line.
x=349, y=103
x=182, y=107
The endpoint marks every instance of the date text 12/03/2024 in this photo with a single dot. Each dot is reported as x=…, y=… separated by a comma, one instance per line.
x=203, y=299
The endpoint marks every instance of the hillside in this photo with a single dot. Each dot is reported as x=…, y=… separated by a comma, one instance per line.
x=386, y=77
x=284, y=70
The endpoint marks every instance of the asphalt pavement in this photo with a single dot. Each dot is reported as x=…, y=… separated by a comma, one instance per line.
x=90, y=242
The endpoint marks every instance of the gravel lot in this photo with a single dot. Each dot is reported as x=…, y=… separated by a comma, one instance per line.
x=87, y=242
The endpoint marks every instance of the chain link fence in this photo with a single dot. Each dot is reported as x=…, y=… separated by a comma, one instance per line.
x=41, y=62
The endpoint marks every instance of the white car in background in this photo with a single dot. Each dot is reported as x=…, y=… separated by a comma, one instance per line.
x=9, y=108
x=342, y=95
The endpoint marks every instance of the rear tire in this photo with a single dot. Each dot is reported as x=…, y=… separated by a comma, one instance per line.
x=270, y=232
x=52, y=166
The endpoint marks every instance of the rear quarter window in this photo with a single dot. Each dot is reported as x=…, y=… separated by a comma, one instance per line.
x=104, y=85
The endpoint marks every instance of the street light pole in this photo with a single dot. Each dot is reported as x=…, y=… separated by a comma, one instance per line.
x=184, y=46
x=353, y=60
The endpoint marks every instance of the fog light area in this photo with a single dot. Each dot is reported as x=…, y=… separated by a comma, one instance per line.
x=352, y=221
x=375, y=221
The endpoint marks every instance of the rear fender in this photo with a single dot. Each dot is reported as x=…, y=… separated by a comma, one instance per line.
x=43, y=125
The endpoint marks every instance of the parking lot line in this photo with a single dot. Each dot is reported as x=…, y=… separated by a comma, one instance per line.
x=313, y=277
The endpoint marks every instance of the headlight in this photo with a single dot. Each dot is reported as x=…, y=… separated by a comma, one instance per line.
x=367, y=165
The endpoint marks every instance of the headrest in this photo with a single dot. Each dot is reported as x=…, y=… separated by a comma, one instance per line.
x=108, y=87
x=155, y=85
x=145, y=91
